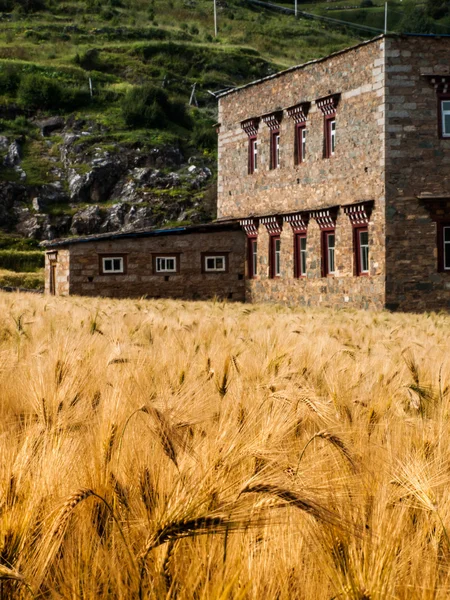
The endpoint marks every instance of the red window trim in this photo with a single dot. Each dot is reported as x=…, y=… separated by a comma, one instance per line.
x=251, y=239
x=440, y=98
x=440, y=245
x=324, y=248
x=357, y=250
x=251, y=155
x=299, y=128
x=327, y=134
x=298, y=272
x=272, y=254
x=273, y=149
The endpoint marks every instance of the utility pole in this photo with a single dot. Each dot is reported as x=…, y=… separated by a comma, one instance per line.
x=295, y=7
x=215, y=18
x=385, y=17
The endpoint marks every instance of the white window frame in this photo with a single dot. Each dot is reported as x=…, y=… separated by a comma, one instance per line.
x=119, y=269
x=254, y=247
x=277, y=150
x=303, y=255
x=362, y=248
x=215, y=269
x=254, y=150
x=303, y=146
x=161, y=264
x=331, y=250
x=332, y=126
x=445, y=112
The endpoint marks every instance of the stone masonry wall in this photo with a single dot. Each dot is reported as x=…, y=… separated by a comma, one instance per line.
x=417, y=163
x=353, y=174
x=139, y=280
x=62, y=273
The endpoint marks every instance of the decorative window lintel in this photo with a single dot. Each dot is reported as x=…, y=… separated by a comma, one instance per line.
x=326, y=217
x=273, y=119
x=250, y=226
x=299, y=112
x=273, y=224
x=328, y=104
x=298, y=221
x=250, y=126
x=359, y=213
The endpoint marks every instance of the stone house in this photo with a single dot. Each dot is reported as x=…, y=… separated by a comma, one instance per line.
x=337, y=173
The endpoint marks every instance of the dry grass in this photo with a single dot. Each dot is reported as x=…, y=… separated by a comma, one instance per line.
x=160, y=449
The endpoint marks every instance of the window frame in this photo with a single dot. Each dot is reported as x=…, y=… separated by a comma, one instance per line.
x=165, y=255
x=325, y=244
x=274, y=268
x=300, y=269
x=252, y=154
x=442, y=226
x=300, y=143
x=252, y=256
x=275, y=149
x=441, y=99
x=329, y=135
x=214, y=255
x=357, y=251
x=113, y=256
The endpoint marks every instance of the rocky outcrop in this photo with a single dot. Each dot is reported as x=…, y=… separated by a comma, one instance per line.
x=99, y=187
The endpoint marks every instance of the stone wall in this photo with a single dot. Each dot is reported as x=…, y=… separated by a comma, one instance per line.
x=140, y=279
x=341, y=289
x=62, y=271
x=353, y=174
x=417, y=164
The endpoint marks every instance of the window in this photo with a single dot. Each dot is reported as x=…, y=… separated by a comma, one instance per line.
x=300, y=255
x=300, y=141
x=444, y=114
x=275, y=150
x=165, y=264
x=252, y=155
x=444, y=247
x=110, y=265
x=214, y=262
x=330, y=136
x=252, y=257
x=275, y=256
x=361, y=250
x=328, y=253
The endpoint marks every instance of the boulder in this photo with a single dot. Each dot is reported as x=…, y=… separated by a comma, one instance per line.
x=115, y=218
x=48, y=126
x=86, y=221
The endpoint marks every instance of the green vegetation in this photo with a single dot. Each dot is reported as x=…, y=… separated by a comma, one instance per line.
x=21, y=261
x=30, y=281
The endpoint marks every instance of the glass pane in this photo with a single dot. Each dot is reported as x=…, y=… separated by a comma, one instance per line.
x=303, y=243
x=446, y=124
x=364, y=259
x=331, y=240
x=277, y=245
x=255, y=155
x=331, y=260
x=364, y=238
x=170, y=264
x=255, y=258
x=446, y=234
x=107, y=265
x=117, y=264
x=446, y=105
x=210, y=263
x=219, y=262
x=447, y=255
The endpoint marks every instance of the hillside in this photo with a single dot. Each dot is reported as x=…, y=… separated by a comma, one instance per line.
x=99, y=125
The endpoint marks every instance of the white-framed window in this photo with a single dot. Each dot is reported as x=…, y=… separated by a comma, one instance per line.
x=166, y=264
x=328, y=253
x=332, y=136
x=215, y=263
x=303, y=143
x=445, y=118
x=252, y=155
x=112, y=264
x=363, y=238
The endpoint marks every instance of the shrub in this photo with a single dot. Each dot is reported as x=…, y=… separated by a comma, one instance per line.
x=366, y=4
x=21, y=262
x=36, y=91
x=149, y=106
x=9, y=80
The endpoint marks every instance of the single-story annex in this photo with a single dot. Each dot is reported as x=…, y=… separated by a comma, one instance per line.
x=333, y=190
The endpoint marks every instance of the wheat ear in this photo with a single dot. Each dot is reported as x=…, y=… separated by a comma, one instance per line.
x=333, y=439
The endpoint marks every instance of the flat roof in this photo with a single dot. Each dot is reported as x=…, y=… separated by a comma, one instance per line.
x=214, y=227
x=328, y=56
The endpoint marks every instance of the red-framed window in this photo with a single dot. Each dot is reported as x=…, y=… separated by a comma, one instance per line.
x=300, y=254
x=275, y=149
x=444, y=115
x=443, y=244
x=300, y=143
x=252, y=257
x=328, y=252
x=252, y=154
x=361, y=250
x=330, y=135
x=275, y=256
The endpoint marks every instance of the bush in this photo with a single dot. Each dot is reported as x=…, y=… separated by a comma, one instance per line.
x=366, y=4
x=36, y=91
x=149, y=106
x=9, y=80
x=21, y=262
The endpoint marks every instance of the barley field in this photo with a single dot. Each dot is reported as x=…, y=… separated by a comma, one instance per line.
x=161, y=449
